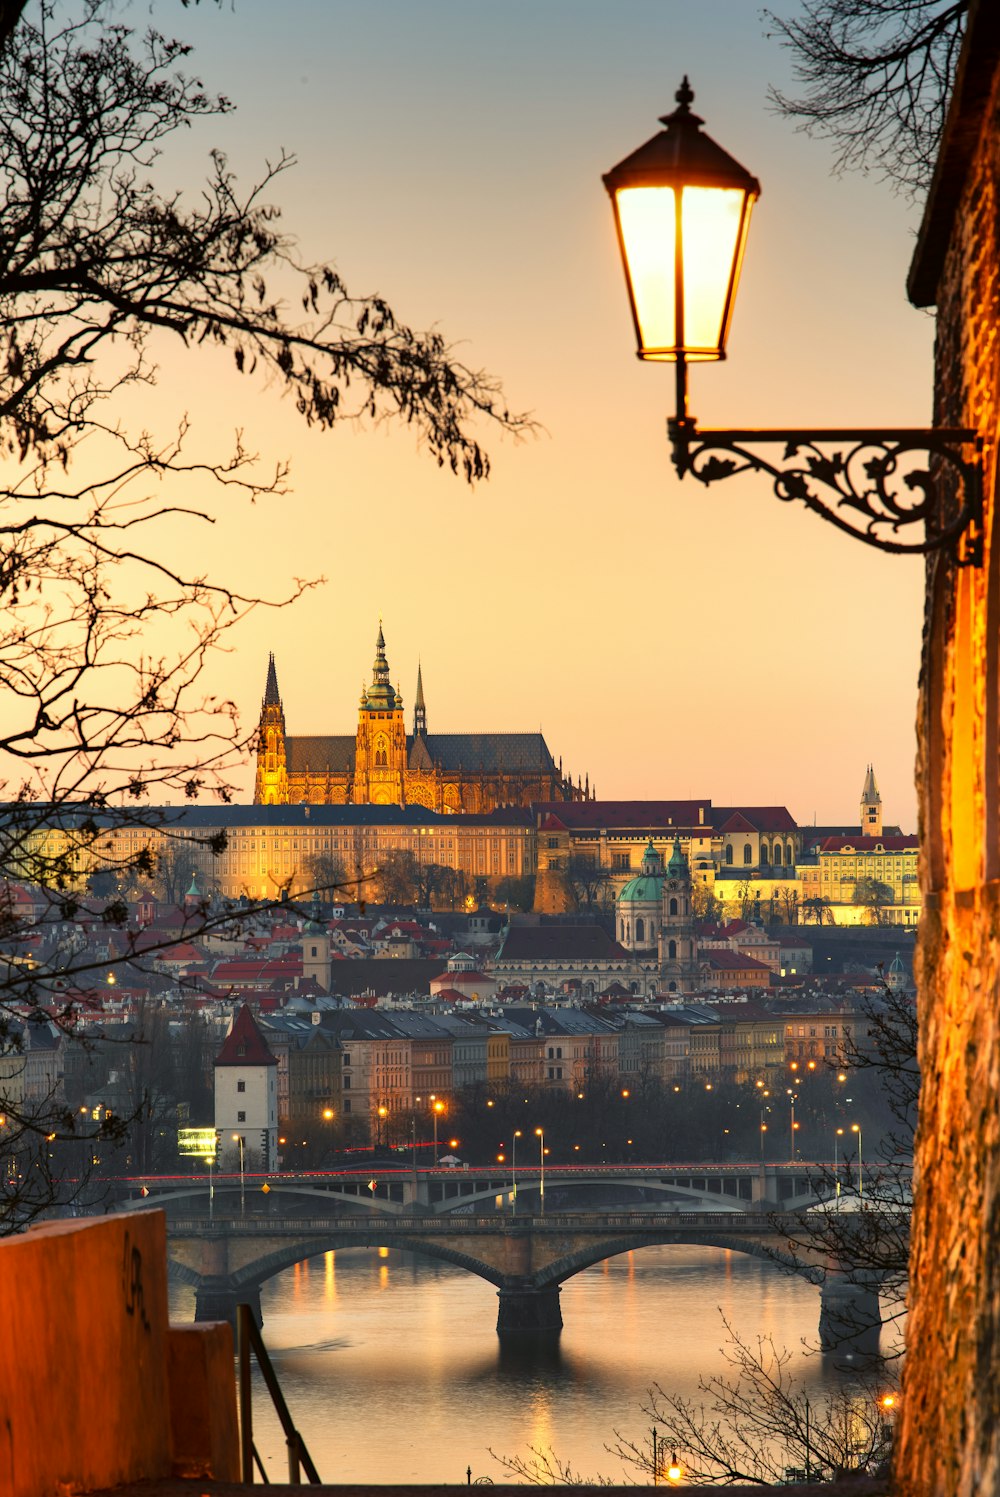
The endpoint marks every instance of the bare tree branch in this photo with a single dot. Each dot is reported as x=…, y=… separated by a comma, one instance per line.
x=875, y=78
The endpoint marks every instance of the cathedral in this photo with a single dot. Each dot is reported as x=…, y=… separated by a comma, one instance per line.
x=384, y=765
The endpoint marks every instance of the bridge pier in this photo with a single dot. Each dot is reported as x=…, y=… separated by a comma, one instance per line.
x=850, y=1319
x=525, y=1311
x=218, y=1301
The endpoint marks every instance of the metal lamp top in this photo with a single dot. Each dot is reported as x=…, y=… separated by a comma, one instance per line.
x=681, y=155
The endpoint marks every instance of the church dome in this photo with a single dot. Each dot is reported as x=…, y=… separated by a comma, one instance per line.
x=645, y=888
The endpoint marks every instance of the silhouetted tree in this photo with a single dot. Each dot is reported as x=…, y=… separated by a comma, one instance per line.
x=107, y=619
x=590, y=883
x=325, y=875
x=875, y=76
x=875, y=897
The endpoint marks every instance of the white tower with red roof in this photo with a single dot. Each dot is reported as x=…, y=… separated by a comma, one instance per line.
x=246, y=1098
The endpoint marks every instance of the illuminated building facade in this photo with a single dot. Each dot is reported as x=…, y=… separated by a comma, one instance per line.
x=384, y=765
x=883, y=868
x=268, y=852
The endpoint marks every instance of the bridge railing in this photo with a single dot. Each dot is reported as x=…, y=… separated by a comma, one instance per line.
x=725, y=1221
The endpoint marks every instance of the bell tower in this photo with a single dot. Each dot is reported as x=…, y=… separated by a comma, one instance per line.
x=271, y=786
x=871, y=807
x=380, y=752
x=678, y=947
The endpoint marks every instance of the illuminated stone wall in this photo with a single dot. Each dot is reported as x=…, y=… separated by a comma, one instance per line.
x=950, y=1431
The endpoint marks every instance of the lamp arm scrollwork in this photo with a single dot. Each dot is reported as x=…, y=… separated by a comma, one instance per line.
x=871, y=484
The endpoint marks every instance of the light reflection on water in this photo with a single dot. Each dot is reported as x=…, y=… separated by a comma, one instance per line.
x=393, y=1371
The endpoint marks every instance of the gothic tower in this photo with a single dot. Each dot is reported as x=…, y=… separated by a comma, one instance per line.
x=871, y=807
x=678, y=947
x=419, y=707
x=380, y=751
x=271, y=788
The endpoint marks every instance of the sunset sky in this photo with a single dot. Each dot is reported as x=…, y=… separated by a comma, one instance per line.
x=671, y=641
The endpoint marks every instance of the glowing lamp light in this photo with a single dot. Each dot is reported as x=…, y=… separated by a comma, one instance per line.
x=682, y=211
x=675, y=1470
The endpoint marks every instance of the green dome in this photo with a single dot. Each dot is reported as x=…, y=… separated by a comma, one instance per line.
x=645, y=888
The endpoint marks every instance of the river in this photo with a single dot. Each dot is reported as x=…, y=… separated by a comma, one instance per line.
x=393, y=1371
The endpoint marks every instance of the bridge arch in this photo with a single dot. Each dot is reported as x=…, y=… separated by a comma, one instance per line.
x=255, y=1272
x=565, y=1268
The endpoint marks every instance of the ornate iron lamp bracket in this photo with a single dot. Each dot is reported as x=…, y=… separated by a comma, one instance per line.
x=909, y=491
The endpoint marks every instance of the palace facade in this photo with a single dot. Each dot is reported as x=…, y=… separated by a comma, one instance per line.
x=384, y=765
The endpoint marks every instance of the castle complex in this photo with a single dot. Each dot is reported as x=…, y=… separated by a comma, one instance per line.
x=383, y=765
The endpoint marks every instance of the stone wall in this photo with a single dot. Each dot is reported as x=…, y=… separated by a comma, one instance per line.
x=95, y=1387
x=949, y=1441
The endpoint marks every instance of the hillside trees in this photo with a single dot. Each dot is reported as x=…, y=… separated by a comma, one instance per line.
x=107, y=618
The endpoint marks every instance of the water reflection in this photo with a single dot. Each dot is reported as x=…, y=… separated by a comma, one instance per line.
x=393, y=1370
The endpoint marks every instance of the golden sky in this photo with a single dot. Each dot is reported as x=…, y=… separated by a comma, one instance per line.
x=671, y=641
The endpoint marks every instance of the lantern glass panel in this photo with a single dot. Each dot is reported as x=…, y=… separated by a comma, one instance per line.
x=714, y=226
x=646, y=216
x=710, y=223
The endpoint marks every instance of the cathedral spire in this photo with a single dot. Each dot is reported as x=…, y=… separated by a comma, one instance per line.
x=271, y=786
x=381, y=695
x=419, y=706
x=272, y=696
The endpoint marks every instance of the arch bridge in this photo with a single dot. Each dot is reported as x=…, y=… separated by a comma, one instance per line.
x=686, y=1187
x=527, y=1258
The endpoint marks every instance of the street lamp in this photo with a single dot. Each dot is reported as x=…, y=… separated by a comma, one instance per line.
x=682, y=212
x=838, y=1134
x=239, y=1139
x=887, y=1404
x=856, y=1128
x=540, y=1135
x=513, y=1170
x=437, y=1108
x=382, y=1130
x=791, y=1131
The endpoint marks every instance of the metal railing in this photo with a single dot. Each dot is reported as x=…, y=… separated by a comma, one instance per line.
x=249, y=1340
x=494, y=1225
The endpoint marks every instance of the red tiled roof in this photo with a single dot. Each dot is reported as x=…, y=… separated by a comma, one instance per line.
x=244, y=1045
x=734, y=961
x=626, y=813
x=559, y=943
x=737, y=822
x=183, y=952
x=761, y=818
x=755, y=1013
x=869, y=844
